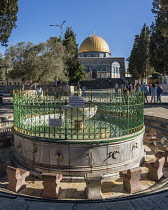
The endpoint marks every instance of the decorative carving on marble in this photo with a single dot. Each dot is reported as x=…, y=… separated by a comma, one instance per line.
x=134, y=145
x=114, y=155
x=59, y=156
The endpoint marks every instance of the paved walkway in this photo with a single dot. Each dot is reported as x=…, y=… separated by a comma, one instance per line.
x=157, y=110
x=155, y=201
x=143, y=201
x=164, y=99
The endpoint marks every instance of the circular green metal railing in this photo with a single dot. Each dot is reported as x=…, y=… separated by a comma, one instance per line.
x=102, y=115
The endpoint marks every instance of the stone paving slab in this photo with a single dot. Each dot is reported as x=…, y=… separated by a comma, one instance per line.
x=126, y=205
x=150, y=202
x=49, y=206
x=144, y=204
x=161, y=201
x=156, y=110
x=164, y=98
x=15, y=204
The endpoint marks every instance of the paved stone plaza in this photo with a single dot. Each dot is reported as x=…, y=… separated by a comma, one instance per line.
x=152, y=196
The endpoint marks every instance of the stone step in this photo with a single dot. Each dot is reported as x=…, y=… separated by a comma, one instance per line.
x=158, y=119
x=160, y=132
x=101, y=83
x=160, y=125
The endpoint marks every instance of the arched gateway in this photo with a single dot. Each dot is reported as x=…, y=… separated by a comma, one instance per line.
x=94, y=73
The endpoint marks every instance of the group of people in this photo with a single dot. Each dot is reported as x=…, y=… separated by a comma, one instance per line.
x=154, y=90
x=149, y=89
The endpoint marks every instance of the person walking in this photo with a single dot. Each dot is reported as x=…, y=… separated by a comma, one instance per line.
x=39, y=91
x=159, y=91
x=149, y=86
x=122, y=85
x=153, y=93
x=116, y=88
x=129, y=87
x=137, y=88
x=145, y=89
x=124, y=90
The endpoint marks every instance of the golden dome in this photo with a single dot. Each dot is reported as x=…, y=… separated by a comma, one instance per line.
x=94, y=44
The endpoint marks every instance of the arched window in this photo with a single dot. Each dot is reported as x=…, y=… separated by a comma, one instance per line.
x=115, y=70
x=104, y=67
x=96, y=66
x=86, y=65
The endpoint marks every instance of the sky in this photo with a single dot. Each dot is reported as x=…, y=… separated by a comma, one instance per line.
x=116, y=21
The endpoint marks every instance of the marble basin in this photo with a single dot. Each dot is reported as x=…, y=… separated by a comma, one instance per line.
x=81, y=113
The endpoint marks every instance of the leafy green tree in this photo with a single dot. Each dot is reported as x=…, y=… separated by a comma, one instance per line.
x=75, y=69
x=42, y=62
x=16, y=57
x=159, y=37
x=139, y=65
x=53, y=40
x=51, y=63
x=2, y=68
x=8, y=18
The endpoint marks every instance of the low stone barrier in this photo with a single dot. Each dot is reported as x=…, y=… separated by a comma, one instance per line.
x=51, y=185
x=155, y=169
x=150, y=137
x=161, y=154
x=131, y=179
x=16, y=177
x=93, y=186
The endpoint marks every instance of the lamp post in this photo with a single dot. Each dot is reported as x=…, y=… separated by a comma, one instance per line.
x=61, y=26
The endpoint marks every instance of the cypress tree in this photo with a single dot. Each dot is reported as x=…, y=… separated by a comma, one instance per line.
x=133, y=59
x=139, y=65
x=159, y=37
x=75, y=69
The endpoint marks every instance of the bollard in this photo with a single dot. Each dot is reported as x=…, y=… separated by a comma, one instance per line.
x=131, y=179
x=155, y=169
